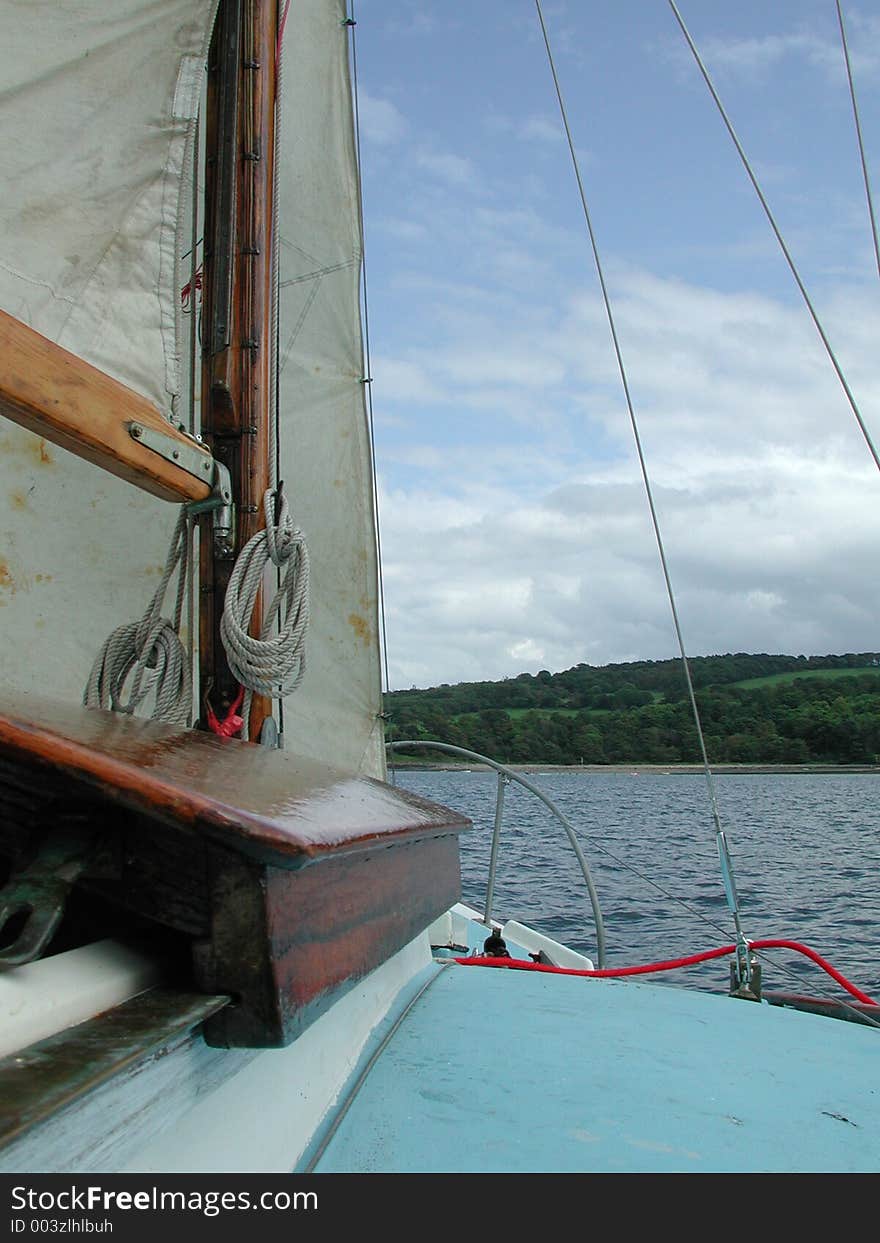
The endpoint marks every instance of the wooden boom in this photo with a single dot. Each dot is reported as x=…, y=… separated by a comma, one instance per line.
x=74, y=405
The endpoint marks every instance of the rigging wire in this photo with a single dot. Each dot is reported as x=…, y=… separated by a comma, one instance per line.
x=195, y=380
x=275, y=438
x=721, y=840
x=788, y=258
x=351, y=24
x=742, y=943
x=855, y=107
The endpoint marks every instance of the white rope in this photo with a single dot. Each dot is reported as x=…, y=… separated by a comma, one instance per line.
x=151, y=650
x=272, y=665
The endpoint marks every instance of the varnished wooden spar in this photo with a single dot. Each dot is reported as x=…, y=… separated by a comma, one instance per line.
x=237, y=334
x=74, y=405
x=292, y=879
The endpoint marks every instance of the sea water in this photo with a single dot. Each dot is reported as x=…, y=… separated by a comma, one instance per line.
x=805, y=850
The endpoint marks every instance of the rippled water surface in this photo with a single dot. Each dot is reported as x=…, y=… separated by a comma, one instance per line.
x=805, y=850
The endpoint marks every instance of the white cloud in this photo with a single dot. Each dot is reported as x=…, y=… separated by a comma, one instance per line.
x=764, y=491
x=446, y=166
x=380, y=121
x=403, y=381
x=402, y=230
x=766, y=53
x=541, y=129
x=515, y=526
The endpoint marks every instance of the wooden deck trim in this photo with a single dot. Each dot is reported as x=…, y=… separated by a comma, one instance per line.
x=37, y=1082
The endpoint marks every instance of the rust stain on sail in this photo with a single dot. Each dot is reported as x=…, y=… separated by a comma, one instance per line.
x=27, y=445
x=361, y=627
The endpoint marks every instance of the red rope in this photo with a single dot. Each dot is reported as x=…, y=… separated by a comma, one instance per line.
x=281, y=24
x=519, y=965
x=231, y=723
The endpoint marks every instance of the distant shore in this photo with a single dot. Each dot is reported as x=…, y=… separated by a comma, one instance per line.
x=641, y=769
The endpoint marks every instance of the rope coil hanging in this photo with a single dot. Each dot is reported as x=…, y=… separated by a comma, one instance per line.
x=273, y=664
x=151, y=650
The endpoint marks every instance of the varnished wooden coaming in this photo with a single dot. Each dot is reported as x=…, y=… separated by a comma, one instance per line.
x=292, y=879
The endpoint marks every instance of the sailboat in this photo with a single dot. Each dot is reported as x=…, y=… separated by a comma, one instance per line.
x=230, y=944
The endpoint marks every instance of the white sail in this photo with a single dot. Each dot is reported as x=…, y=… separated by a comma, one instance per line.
x=97, y=114
x=98, y=104
x=97, y=129
x=324, y=442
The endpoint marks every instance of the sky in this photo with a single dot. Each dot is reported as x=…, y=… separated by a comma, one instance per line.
x=515, y=528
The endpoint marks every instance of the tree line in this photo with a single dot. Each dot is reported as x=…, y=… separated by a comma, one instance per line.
x=761, y=709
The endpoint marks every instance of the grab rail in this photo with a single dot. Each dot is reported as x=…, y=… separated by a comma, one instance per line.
x=506, y=775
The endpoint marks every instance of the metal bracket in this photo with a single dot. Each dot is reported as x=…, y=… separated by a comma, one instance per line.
x=219, y=503
x=192, y=457
x=746, y=982
x=196, y=460
x=39, y=893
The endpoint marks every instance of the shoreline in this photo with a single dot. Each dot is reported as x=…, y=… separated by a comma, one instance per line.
x=664, y=770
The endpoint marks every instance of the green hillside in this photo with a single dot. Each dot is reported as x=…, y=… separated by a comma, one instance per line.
x=765, y=709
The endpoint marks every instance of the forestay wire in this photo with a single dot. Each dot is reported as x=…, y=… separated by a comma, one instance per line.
x=858, y=125
x=769, y=214
x=721, y=840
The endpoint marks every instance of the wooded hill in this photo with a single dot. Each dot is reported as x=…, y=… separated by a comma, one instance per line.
x=757, y=709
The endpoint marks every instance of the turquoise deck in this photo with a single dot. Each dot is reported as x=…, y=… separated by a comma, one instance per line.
x=523, y=1072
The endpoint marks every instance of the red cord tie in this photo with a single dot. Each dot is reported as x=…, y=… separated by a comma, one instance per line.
x=231, y=723
x=186, y=292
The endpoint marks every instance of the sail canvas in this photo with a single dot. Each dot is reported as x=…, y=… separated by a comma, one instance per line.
x=97, y=121
x=98, y=254
x=324, y=439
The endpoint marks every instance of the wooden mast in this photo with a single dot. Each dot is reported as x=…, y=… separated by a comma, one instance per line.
x=237, y=319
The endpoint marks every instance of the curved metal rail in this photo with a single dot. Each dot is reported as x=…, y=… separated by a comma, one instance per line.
x=506, y=775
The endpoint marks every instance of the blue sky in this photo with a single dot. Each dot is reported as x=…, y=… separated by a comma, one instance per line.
x=515, y=529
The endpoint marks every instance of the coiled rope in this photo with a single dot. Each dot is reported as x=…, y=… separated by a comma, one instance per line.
x=273, y=664
x=148, y=656
x=150, y=650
